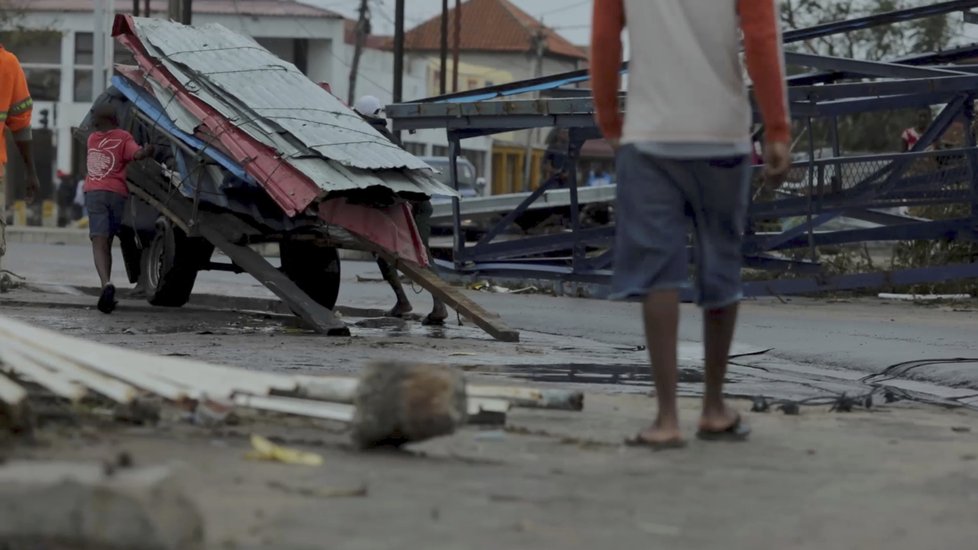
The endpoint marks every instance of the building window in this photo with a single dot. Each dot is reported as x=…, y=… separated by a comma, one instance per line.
x=439, y=151
x=84, y=49
x=416, y=149
x=34, y=47
x=43, y=83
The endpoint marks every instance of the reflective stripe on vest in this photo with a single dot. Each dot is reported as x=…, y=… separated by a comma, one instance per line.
x=21, y=106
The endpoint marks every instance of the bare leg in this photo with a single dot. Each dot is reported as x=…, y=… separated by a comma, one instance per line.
x=102, y=250
x=403, y=305
x=661, y=310
x=438, y=310
x=718, y=331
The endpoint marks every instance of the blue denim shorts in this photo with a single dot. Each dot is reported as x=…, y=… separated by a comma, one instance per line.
x=105, y=212
x=659, y=200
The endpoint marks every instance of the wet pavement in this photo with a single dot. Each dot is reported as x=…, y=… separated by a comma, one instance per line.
x=781, y=350
x=898, y=475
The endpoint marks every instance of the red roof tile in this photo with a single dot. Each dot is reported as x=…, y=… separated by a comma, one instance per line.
x=266, y=8
x=491, y=26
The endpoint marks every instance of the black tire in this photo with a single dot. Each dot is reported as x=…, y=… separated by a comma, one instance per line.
x=315, y=269
x=170, y=265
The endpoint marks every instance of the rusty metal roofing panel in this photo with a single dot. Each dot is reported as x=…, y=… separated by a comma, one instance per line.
x=274, y=90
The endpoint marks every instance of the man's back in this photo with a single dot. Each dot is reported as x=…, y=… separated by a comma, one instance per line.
x=685, y=79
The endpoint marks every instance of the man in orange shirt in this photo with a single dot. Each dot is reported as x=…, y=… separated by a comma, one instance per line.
x=684, y=157
x=15, y=113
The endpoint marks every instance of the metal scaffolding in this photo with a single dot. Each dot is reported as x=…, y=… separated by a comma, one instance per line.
x=820, y=190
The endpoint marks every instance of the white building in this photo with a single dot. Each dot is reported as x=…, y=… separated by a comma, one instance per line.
x=54, y=43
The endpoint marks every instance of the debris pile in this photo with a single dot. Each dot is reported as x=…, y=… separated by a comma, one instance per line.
x=390, y=404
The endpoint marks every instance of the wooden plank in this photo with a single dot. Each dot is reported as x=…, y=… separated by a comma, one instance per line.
x=28, y=367
x=454, y=298
x=94, y=356
x=11, y=393
x=157, y=373
x=300, y=407
x=298, y=301
x=120, y=392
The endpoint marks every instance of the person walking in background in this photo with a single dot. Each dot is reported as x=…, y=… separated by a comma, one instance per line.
x=684, y=155
x=16, y=107
x=370, y=109
x=110, y=150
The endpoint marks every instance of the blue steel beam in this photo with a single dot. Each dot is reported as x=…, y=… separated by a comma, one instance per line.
x=866, y=68
x=880, y=279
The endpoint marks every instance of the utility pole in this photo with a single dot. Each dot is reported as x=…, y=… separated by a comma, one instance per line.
x=457, y=44
x=443, y=81
x=180, y=10
x=539, y=46
x=99, y=41
x=398, y=51
x=362, y=30
x=398, y=91
x=135, y=8
x=147, y=11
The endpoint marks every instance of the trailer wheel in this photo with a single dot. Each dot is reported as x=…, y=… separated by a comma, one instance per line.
x=170, y=265
x=315, y=269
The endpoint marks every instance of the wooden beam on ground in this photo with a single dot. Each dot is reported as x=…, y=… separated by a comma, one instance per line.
x=454, y=298
x=258, y=267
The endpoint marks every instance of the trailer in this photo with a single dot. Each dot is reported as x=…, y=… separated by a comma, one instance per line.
x=274, y=158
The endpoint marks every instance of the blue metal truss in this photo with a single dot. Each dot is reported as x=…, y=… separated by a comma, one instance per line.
x=861, y=187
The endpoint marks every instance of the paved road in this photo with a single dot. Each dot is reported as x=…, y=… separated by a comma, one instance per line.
x=824, y=336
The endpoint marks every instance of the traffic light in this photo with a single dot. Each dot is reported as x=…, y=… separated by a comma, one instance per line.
x=44, y=118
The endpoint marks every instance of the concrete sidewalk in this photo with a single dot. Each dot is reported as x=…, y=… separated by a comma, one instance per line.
x=904, y=477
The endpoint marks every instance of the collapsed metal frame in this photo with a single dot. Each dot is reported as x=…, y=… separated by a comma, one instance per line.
x=918, y=177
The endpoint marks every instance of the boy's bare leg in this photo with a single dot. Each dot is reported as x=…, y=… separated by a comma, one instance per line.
x=102, y=251
x=718, y=331
x=403, y=305
x=661, y=310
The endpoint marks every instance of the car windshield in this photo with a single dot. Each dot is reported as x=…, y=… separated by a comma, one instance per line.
x=466, y=175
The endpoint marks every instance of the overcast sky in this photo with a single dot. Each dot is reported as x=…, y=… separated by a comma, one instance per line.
x=569, y=17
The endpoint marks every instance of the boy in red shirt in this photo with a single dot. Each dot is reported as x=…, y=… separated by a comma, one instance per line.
x=110, y=150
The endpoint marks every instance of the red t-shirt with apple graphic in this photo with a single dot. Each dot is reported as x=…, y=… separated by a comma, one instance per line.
x=108, y=155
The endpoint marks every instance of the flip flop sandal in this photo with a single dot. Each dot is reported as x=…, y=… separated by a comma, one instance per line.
x=106, y=301
x=639, y=441
x=738, y=431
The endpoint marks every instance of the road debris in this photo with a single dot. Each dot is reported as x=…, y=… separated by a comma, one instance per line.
x=391, y=404
x=263, y=449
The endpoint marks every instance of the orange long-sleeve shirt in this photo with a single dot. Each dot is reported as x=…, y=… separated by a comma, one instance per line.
x=685, y=80
x=16, y=104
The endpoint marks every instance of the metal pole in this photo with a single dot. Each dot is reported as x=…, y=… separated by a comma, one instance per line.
x=135, y=8
x=539, y=45
x=443, y=81
x=811, y=189
x=146, y=9
x=186, y=11
x=398, y=91
x=457, y=44
x=99, y=38
x=454, y=148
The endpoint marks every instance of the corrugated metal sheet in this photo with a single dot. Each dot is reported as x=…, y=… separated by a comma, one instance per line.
x=236, y=68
